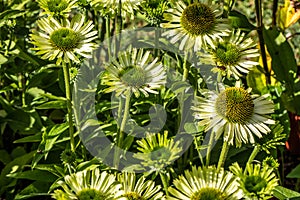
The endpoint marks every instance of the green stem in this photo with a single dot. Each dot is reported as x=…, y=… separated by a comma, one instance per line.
x=120, y=135
x=69, y=104
x=260, y=26
x=223, y=155
x=125, y=117
x=108, y=37
x=208, y=153
x=253, y=154
x=164, y=180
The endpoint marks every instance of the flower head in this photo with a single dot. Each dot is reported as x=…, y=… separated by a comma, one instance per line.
x=158, y=151
x=197, y=24
x=205, y=183
x=57, y=8
x=110, y=7
x=257, y=182
x=234, y=55
x=134, y=71
x=86, y=185
x=64, y=41
x=235, y=113
x=138, y=189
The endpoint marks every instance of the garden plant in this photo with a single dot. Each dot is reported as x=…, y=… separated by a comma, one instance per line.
x=149, y=99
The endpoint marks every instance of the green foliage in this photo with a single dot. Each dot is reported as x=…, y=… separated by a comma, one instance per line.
x=38, y=146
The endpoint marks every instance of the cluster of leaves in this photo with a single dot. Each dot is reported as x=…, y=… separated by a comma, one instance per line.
x=34, y=139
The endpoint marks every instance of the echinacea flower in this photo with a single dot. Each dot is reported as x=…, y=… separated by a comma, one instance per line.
x=196, y=24
x=256, y=182
x=57, y=8
x=138, y=189
x=205, y=183
x=134, y=71
x=236, y=113
x=87, y=184
x=64, y=42
x=233, y=55
x=157, y=151
x=110, y=7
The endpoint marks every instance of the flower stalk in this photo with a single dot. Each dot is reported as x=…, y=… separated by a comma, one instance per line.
x=69, y=104
x=253, y=154
x=223, y=155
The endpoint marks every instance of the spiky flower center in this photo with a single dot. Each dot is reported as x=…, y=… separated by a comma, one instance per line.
x=68, y=157
x=235, y=105
x=89, y=194
x=65, y=39
x=57, y=6
x=133, y=196
x=133, y=76
x=255, y=184
x=161, y=154
x=227, y=54
x=209, y=194
x=198, y=19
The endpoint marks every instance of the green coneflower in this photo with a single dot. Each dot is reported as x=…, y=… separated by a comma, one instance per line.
x=140, y=189
x=64, y=41
x=233, y=56
x=110, y=7
x=236, y=113
x=158, y=151
x=205, y=184
x=88, y=184
x=134, y=71
x=196, y=24
x=57, y=8
x=256, y=182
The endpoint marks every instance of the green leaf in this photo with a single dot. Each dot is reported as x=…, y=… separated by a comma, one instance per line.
x=191, y=128
x=283, y=193
x=13, y=166
x=36, y=175
x=8, y=14
x=5, y=157
x=53, y=135
x=256, y=80
x=295, y=173
x=59, y=104
x=284, y=64
x=238, y=20
x=26, y=122
x=31, y=138
x=3, y=59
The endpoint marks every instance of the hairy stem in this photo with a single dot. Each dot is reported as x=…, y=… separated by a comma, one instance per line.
x=69, y=104
x=223, y=155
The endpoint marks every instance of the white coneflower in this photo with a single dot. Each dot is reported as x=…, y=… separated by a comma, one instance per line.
x=88, y=184
x=110, y=7
x=235, y=113
x=64, y=42
x=205, y=184
x=134, y=71
x=138, y=189
x=57, y=8
x=196, y=24
x=233, y=56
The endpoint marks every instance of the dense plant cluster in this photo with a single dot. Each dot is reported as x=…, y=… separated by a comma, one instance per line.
x=148, y=99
